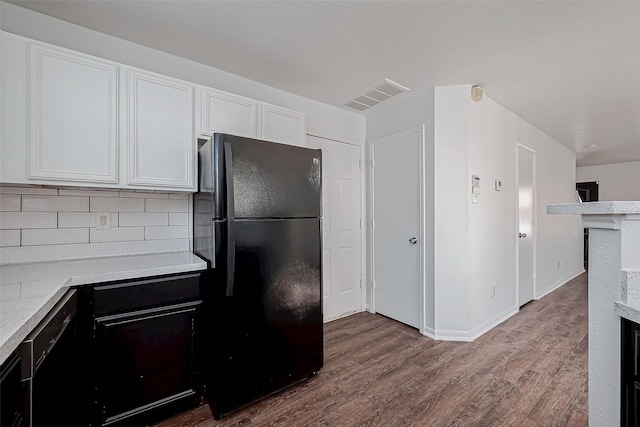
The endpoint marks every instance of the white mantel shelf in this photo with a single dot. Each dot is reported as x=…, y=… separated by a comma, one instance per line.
x=614, y=292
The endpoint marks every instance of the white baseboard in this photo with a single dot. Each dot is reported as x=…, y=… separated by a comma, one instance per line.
x=558, y=284
x=468, y=336
x=340, y=316
x=428, y=332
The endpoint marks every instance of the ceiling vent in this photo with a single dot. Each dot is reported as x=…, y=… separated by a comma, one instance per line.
x=374, y=95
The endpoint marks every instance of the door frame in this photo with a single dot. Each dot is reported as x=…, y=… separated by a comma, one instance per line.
x=420, y=131
x=534, y=225
x=363, y=209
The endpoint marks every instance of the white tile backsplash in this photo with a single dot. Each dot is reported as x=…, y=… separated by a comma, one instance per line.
x=119, y=234
x=97, y=193
x=178, y=218
x=55, y=236
x=115, y=219
x=76, y=219
x=55, y=203
x=114, y=204
x=180, y=196
x=170, y=232
x=9, y=238
x=143, y=219
x=19, y=220
x=10, y=202
x=143, y=195
x=170, y=205
x=28, y=190
x=33, y=218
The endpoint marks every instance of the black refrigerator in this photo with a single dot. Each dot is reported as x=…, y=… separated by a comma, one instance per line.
x=257, y=222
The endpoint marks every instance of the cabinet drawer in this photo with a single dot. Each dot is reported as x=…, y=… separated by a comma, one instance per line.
x=145, y=293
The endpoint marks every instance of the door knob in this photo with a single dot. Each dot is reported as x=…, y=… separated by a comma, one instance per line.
x=522, y=235
x=413, y=240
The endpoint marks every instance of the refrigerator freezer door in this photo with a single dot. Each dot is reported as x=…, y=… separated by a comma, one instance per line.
x=270, y=180
x=268, y=334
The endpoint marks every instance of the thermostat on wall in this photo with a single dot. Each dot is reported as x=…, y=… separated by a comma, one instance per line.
x=475, y=188
x=498, y=185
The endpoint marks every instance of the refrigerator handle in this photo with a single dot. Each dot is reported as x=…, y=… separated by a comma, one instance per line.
x=231, y=219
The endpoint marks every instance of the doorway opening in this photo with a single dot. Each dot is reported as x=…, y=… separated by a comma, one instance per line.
x=588, y=192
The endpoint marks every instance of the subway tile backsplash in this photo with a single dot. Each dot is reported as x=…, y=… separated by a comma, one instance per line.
x=116, y=204
x=54, y=236
x=54, y=203
x=32, y=216
x=171, y=205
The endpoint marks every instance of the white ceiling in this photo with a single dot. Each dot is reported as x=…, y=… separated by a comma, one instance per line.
x=570, y=68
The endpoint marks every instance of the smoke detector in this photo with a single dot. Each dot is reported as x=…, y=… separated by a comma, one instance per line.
x=374, y=95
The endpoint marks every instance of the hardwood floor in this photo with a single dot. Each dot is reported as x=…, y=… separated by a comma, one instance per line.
x=530, y=370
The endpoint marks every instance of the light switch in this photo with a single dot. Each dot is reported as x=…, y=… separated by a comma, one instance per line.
x=498, y=185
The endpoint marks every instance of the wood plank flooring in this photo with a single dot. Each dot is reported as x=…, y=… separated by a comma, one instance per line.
x=531, y=370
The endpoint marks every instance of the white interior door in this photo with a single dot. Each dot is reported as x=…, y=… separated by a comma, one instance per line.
x=396, y=227
x=526, y=164
x=341, y=236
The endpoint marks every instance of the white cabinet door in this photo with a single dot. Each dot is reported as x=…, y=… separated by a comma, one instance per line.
x=162, y=144
x=283, y=125
x=73, y=117
x=227, y=113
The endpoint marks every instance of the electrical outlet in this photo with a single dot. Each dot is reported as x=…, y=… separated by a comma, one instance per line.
x=558, y=263
x=493, y=291
x=103, y=221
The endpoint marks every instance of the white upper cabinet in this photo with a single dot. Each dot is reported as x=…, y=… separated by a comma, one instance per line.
x=224, y=112
x=283, y=125
x=73, y=117
x=161, y=141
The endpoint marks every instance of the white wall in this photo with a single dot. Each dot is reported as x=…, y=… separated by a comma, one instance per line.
x=322, y=119
x=451, y=237
x=617, y=181
x=492, y=222
x=474, y=245
x=491, y=226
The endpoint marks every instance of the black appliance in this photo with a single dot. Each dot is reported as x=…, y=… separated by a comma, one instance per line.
x=257, y=224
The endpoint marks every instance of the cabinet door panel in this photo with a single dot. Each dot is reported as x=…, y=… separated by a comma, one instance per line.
x=283, y=125
x=146, y=360
x=223, y=112
x=73, y=117
x=162, y=145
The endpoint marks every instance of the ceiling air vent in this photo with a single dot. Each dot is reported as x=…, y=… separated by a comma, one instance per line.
x=374, y=95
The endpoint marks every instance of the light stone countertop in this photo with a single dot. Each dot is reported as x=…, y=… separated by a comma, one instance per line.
x=596, y=208
x=29, y=291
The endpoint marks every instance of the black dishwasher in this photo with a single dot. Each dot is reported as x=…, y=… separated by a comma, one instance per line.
x=51, y=368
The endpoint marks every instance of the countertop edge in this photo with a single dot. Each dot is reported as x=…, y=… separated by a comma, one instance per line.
x=595, y=208
x=627, y=311
x=13, y=341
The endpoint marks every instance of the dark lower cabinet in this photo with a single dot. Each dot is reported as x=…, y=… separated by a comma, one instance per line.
x=13, y=395
x=630, y=369
x=145, y=350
